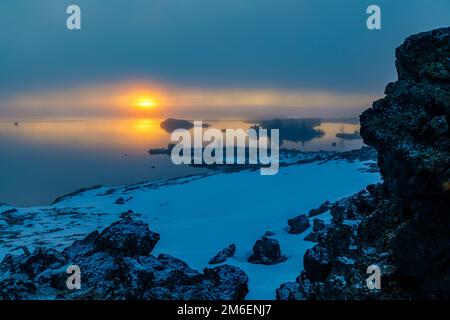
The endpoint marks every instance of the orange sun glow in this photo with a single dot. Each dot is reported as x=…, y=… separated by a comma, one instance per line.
x=145, y=102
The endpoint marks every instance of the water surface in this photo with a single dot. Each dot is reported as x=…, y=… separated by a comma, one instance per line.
x=41, y=160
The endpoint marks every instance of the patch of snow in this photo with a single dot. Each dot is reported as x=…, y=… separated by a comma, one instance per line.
x=199, y=216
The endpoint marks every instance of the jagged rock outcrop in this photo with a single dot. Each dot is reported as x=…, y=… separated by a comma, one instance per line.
x=116, y=264
x=324, y=207
x=224, y=254
x=267, y=251
x=403, y=225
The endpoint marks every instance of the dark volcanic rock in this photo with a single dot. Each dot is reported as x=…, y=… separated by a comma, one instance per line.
x=413, y=145
x=318, y=225
x=128, y=237
x=403, y=225
x=120, y=201
x=116, y=264
x=224, y=254
x=226, y=282
x=320, y=229
x=289, y=291
x=322, y=209
x=298, y=224
x=317, y=263
x=267, y=251
x=312, y=236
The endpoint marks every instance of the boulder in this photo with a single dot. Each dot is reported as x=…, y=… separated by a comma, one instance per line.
x=224, y=254
x=317, y=263
x=128, y=237
x=324, y=207
x=120, y=201
x=267, y=251
x=298, y=224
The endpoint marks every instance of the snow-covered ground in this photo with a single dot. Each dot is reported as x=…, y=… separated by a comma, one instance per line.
x=198, y=216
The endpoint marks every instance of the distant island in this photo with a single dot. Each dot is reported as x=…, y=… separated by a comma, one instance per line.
x=295, y=130
x=349, y=136
x=170, y=125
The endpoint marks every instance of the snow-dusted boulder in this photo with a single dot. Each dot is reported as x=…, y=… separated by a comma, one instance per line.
x=267, y=251
x=128, y=237
x=224, y=254
x=298, y=224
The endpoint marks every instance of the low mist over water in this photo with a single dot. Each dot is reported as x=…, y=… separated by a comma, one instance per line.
x=47, y=159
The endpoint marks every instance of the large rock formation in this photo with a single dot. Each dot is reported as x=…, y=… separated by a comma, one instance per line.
x=403, y=225
x=116, y=264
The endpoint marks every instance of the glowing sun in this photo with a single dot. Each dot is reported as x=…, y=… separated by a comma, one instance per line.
x=145, y=102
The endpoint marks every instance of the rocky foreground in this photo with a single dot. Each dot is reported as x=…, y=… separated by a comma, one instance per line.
x=116, y=264
x=402, y=225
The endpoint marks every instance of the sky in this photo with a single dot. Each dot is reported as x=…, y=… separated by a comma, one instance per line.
x=202, y=58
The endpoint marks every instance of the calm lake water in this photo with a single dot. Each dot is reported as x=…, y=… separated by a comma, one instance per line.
x=41, y=160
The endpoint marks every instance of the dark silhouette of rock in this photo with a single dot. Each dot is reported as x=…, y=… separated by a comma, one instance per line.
x=120, y=201
x=170, y=125
x=127, y=237
x=298, y=224
x=268, y=233
x=413, y=145
x=296, y=130
x=324, y=207
x=289, y=291
x=224, y=254
x=403, y=225
x=317, y=263
x=267, y=251
x=318, y=225
x=117, y=264
x=126, y=214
